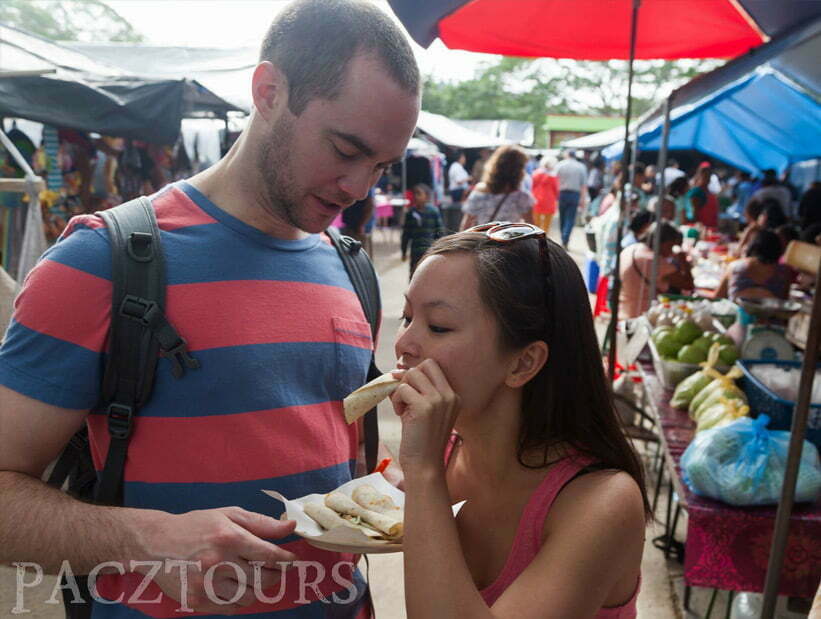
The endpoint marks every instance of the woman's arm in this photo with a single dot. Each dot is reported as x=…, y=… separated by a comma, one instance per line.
x=724, y=285
x=438, y=584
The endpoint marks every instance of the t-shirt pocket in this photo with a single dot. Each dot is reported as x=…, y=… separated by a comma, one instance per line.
x=354, y=346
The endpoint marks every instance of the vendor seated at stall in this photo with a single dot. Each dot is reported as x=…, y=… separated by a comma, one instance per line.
x=758, y=275
x=636, y=266
x=765, y=214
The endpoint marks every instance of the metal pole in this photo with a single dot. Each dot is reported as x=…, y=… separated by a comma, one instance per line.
x=662, y=191
x=616, y=288
x=797, y=432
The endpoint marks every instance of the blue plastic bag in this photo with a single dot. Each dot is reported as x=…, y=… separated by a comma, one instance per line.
x=743, y=463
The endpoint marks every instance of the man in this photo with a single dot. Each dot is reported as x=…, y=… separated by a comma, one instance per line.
x=478, y=168
x=458, y=184
x=771, y=188
x=265, y=306
x=357, y=221
x=672, y=172
x=572, y=176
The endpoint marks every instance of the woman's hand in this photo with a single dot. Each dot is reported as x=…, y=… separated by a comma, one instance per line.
x=428, y=407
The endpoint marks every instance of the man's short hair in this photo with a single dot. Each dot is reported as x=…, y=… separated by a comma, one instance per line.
x=313, y=41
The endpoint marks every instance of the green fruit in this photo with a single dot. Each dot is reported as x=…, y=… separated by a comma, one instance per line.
x=725, y=340
x=659, y=331
x=687, y=331
x=728, y=354
x=668, y=345
x=692, y=354
x=704, y=342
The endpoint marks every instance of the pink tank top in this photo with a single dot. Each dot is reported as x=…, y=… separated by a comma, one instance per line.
x=528, y=538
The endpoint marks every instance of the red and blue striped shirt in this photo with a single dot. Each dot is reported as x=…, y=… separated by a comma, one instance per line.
x=281, y=337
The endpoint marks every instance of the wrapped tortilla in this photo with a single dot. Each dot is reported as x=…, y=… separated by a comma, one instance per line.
x=325, y=516
x=368, y=396
x=370, y=498
x=343, y=504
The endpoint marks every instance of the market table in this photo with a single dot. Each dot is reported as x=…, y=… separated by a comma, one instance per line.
x=728, y=547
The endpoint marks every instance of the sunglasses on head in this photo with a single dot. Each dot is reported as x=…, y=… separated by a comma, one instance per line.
x=506, y=232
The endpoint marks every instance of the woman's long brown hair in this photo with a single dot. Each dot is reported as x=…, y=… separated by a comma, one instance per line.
x=569, y=402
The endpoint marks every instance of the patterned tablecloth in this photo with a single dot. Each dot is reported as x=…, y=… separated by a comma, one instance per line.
x=728, y=547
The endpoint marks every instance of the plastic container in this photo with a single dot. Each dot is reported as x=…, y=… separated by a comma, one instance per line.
x=780, y=411
x=591, y=273
x=671, y=373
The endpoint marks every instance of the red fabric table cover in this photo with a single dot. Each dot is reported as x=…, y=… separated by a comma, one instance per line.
x=728, y=547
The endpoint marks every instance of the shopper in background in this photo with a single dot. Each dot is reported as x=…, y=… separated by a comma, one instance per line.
x=546, y=193
x=572, y=176
x=498, y=197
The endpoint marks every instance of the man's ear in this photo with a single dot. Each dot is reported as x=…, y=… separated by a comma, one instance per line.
x=526, y=364
x=269, y=89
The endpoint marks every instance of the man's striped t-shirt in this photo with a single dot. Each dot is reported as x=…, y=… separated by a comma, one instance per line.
x=281, y=338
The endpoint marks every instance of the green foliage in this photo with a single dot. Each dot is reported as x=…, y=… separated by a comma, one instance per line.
x=529, y=89
x=69, y=20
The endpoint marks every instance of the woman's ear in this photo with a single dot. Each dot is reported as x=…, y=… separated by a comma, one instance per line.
x=526, y=364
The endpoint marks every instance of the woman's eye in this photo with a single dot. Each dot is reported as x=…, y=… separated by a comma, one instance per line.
x=405, y=320
x=436, y=329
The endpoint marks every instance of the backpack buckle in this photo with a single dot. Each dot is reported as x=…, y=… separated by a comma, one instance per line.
x=178, y=355
x=140, y=246
x=352, y=245
x=120, y=420
x=136, y=308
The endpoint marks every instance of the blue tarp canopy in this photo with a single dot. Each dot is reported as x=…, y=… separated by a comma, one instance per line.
x=760, y=111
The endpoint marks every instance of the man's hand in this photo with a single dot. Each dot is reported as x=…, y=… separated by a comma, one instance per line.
x=228, y=534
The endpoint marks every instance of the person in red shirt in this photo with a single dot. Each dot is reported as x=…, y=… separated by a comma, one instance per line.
x=704, y=202
x=546, y=192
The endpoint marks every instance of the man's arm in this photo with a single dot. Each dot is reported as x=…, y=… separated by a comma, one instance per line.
x=32, y=434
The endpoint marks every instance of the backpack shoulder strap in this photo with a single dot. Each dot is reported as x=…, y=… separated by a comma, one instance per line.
x=139, y=331
x=363, y=277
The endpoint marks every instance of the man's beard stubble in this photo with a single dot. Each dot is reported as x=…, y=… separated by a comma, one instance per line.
x=276, y=174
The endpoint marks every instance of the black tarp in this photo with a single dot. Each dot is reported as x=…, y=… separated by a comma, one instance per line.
x=106, y=101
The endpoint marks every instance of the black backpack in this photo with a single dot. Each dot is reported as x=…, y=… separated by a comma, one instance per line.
x=140, y=333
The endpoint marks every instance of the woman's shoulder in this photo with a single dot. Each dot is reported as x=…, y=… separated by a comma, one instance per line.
x=599, y=498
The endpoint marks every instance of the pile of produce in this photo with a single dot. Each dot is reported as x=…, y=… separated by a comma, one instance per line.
x=684, y=341
x=743, y=463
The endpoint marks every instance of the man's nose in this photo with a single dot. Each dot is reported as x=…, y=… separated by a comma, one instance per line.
x=357, y=182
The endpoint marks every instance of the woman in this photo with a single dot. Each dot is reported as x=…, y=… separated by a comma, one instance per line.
x=498, y=196
x=758, y=275
x=636, y=269
x=545, y=192
x=703, y=202
x=497, y=343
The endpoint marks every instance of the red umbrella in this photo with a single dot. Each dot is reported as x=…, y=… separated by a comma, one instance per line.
x=600, y=29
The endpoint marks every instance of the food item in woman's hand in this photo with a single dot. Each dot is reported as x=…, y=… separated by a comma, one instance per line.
x=370, y=498
x=391, y=527
x=366, y=397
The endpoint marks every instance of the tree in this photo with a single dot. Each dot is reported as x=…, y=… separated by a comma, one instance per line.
x=69, y=20
x=529, y=89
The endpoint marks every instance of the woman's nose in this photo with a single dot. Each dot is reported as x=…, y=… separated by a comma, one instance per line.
x=406, y=346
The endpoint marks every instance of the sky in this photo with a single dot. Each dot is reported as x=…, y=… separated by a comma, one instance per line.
x=237, y=23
